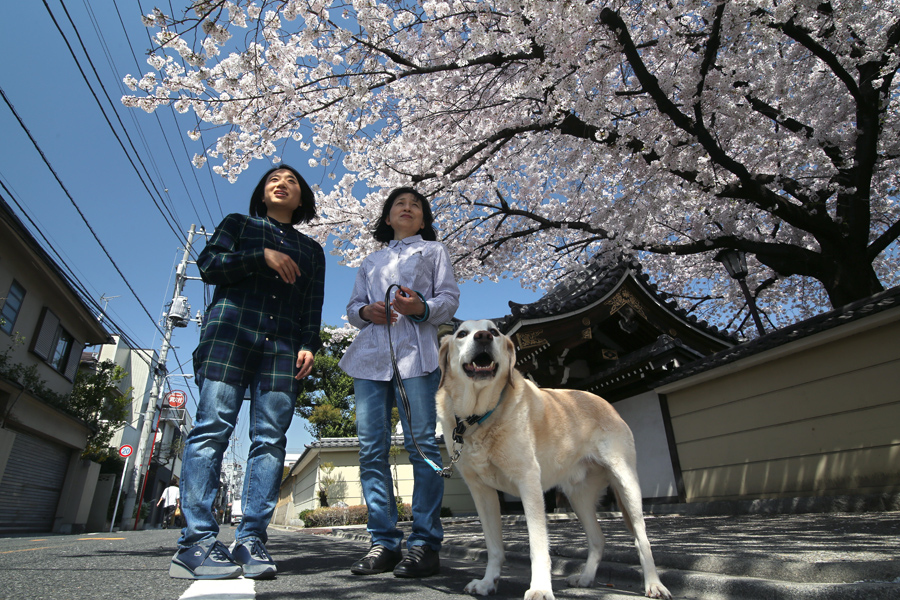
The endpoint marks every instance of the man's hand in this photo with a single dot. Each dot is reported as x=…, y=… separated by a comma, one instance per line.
x=407, y=302
x=305, y=360
x=374, y=313
x=282, y=264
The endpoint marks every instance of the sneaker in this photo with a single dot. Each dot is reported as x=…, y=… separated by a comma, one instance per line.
x=420, y=561
x=254, y=559
x=204, y=562
x=378, y=560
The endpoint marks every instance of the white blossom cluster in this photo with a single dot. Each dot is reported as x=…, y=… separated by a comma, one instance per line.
x=336, y=335
x=548, y=132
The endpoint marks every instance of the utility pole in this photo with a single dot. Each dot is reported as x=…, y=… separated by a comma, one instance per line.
x=178, y=316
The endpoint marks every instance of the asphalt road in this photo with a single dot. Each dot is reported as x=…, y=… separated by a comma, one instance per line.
x=134, y=564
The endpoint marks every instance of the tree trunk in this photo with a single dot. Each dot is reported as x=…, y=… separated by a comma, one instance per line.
x=851, y=279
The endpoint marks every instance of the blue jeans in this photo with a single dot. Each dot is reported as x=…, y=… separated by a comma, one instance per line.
x=374, y=400
x=270, y=416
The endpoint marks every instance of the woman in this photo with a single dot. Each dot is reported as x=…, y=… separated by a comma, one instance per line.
x=428, y=296
x=260, y=332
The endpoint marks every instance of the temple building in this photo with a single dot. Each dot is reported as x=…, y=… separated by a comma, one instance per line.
x=609, y=332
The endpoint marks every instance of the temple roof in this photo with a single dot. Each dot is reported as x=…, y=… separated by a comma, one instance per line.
x=595, y=283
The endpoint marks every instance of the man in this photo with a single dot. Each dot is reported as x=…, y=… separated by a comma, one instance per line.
x=172, y=498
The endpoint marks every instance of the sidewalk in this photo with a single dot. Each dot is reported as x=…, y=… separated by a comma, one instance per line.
x=821, y=556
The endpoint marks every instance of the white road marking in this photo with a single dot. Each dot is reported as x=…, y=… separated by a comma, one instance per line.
x=221, y=589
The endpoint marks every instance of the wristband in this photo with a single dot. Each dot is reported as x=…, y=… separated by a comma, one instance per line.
x=424, y=317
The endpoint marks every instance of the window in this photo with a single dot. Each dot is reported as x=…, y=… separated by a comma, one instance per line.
x=60, y=356
x=56, y=346
x=11, y=307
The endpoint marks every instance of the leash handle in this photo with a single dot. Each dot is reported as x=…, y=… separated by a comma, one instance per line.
x=403, y=397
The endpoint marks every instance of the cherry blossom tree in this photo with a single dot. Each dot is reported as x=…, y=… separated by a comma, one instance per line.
x=552, y=135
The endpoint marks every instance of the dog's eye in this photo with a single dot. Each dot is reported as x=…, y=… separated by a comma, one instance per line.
x=494, y=332
x=462, y=333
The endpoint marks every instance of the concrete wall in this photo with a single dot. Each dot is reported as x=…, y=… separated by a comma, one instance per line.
x=299, y=491
x=817, y=417
x=645, y=418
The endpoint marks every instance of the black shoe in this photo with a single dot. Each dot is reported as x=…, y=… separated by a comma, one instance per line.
x=378, y=560
x=420, y=561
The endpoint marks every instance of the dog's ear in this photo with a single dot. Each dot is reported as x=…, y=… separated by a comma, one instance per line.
x=443, y=357
x=511, y=352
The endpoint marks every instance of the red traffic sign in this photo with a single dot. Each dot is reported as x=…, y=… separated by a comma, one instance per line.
x=125, y=451
x=175, y=399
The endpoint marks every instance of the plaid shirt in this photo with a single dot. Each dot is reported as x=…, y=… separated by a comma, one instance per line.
x=257, y=323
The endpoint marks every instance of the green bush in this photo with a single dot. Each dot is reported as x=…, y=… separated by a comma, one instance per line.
x=333, y=516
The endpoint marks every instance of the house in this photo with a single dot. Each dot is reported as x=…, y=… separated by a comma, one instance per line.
x=44, y=326
x=300, y=489
x=173, y=425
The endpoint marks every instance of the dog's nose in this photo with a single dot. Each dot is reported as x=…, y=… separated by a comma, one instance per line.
x=484, y=337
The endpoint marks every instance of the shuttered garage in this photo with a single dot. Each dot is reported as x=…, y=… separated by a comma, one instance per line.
x=31, y=485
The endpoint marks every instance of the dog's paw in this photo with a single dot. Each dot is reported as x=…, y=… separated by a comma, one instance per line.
x=580, y=581
x=481, y=587
x=534, y=594
x=658, y=590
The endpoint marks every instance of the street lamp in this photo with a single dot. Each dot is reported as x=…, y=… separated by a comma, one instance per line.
x=735, y=262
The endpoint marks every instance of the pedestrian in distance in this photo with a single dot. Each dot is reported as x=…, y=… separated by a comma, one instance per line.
x=171, y=500
x=260, y=332
x=427, y=297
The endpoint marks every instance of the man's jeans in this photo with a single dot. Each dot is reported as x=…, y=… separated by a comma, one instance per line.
x=374, y=400
x=270, y=416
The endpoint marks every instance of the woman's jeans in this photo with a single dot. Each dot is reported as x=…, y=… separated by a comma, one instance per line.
x=374, y=400
x=270, y=416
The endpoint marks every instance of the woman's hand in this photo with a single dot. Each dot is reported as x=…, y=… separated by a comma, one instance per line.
x=282, y=264
x=407, y=302
x=375, y=313
x=305, y=360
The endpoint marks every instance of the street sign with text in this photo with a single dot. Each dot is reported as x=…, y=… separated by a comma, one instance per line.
x=175, y=399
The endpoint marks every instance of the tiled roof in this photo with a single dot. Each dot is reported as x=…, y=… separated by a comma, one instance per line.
x=854, y=311
x=593, y=283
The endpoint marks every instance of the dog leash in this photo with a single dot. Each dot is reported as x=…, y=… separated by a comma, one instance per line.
x=443, y=472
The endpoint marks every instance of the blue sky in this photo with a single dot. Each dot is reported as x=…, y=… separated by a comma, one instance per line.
x=123, y=194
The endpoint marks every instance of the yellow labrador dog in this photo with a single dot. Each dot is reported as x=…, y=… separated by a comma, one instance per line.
x=522, y=439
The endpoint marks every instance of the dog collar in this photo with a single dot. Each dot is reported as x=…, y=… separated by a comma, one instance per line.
x=463, y=424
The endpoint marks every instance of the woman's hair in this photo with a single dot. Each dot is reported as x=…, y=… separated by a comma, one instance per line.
x=384, y=233
x=305, y=212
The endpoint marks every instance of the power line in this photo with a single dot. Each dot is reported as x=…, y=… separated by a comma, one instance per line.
x=68, y=275
x=180, y=137
x=72, y=200
x=109, y=123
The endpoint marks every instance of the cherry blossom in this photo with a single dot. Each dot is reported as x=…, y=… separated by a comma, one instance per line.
x=551, y=135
